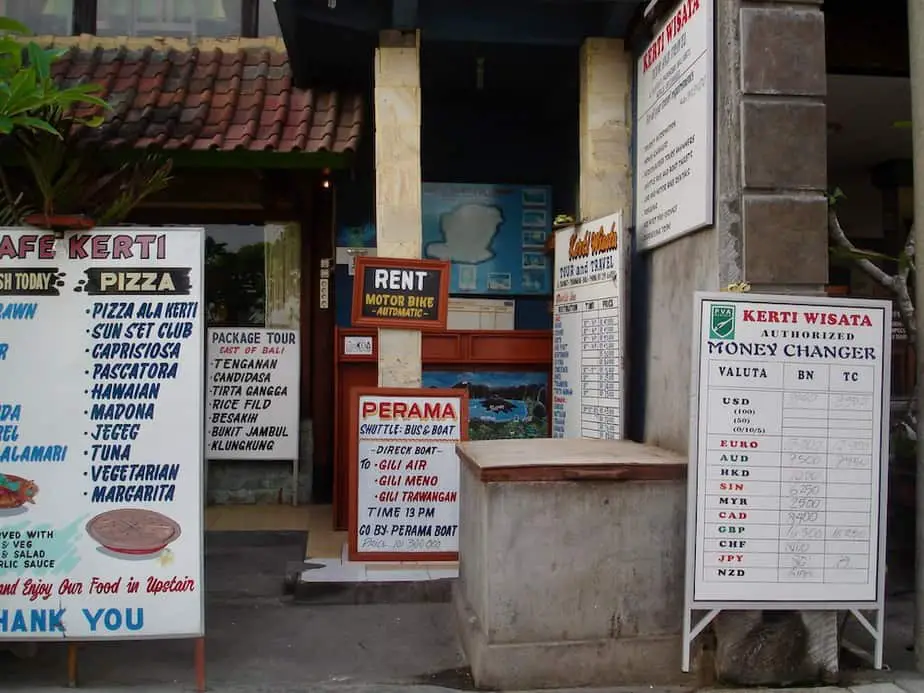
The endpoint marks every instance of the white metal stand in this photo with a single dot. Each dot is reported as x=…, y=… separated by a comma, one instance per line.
x=692, y=630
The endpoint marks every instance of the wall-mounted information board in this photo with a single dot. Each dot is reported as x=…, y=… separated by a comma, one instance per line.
x=789, y=454
x=588, y=378
x=404, y=473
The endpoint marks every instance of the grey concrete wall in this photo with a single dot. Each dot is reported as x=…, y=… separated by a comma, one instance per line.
x=588, y=597
x=770, y=231
x=770, y=218
x=235, y=482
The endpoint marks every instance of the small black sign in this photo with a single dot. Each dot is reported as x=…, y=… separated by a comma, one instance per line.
x=31, y=281
x=409, y=294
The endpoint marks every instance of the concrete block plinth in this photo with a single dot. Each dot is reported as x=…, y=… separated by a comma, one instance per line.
x=571, y=563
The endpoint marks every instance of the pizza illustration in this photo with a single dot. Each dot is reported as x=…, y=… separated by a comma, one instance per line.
x=133, y=531
x=16, y=492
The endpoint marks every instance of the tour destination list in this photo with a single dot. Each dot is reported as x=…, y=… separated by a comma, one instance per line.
x=100, y=433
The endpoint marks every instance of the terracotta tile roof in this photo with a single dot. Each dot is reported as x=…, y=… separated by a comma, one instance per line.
x=236, y=97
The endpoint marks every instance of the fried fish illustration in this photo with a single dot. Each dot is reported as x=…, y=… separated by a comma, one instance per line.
x=16, y=491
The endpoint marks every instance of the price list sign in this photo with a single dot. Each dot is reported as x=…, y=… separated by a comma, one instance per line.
x=101, y=351
x=790, y=450
x=588, y=348
x=404, y=475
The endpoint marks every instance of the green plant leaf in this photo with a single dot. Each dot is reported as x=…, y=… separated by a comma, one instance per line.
x=37, y=124
x=38, y=60
x=11, y=26
x=95, y=121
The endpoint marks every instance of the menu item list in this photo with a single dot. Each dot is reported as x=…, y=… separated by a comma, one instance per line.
x=588, y=349
x=100, y=442
x=252, y=394
x=405, y=481
x=789, y=450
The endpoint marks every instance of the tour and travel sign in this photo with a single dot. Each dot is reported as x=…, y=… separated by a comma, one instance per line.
x=101, y=346
x=404, y=473
x=789, y=453
x=588, y=334
x=401, y=293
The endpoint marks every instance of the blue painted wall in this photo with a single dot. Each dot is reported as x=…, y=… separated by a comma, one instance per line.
x=526, y=134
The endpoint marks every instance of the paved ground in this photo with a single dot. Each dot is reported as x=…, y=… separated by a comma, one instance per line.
x=260, y=642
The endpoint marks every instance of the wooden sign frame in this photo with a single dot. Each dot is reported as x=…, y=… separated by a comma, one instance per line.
x=442, y=266
x=353, y=468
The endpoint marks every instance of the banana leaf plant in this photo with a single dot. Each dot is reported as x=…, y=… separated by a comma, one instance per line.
x=64, y=183
x=27, y=88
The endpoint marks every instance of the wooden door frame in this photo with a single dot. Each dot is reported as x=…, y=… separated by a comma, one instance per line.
x=299, y=197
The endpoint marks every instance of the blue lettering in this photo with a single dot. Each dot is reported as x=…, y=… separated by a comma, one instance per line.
x=114, y=619
x=135, y=371
x=125, y=391
x=31, y=620
x=33, y=453
x=122, y=412
x=18, y=311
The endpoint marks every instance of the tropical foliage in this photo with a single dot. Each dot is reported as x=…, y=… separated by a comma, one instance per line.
x=28, y=93
x=65, y=177
x=55, y=174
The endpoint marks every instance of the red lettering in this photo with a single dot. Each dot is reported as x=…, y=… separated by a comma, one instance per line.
x=27, y=244
x=174, y=584
x=402, y=410
x=77, y=247
x=69, y=587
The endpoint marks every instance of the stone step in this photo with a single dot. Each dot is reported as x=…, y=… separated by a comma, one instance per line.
x=338, y=581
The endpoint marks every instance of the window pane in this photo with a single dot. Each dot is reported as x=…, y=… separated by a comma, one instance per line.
x=41, y=16
x=267, y=21
x=185, y=18
x=253, y=275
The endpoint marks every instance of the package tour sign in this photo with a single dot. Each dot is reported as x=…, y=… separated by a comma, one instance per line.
x=100, y=434
x=252, y=394
x=404, y=473
x=675, y=125
x=790, y=454
x=588, y=344
x=401, y=293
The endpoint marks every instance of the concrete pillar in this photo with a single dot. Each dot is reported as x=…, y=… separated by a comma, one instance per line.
x=783, y=133
x=771, y=231
x=771, y=169
x=605, y=184
x=397, y=185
